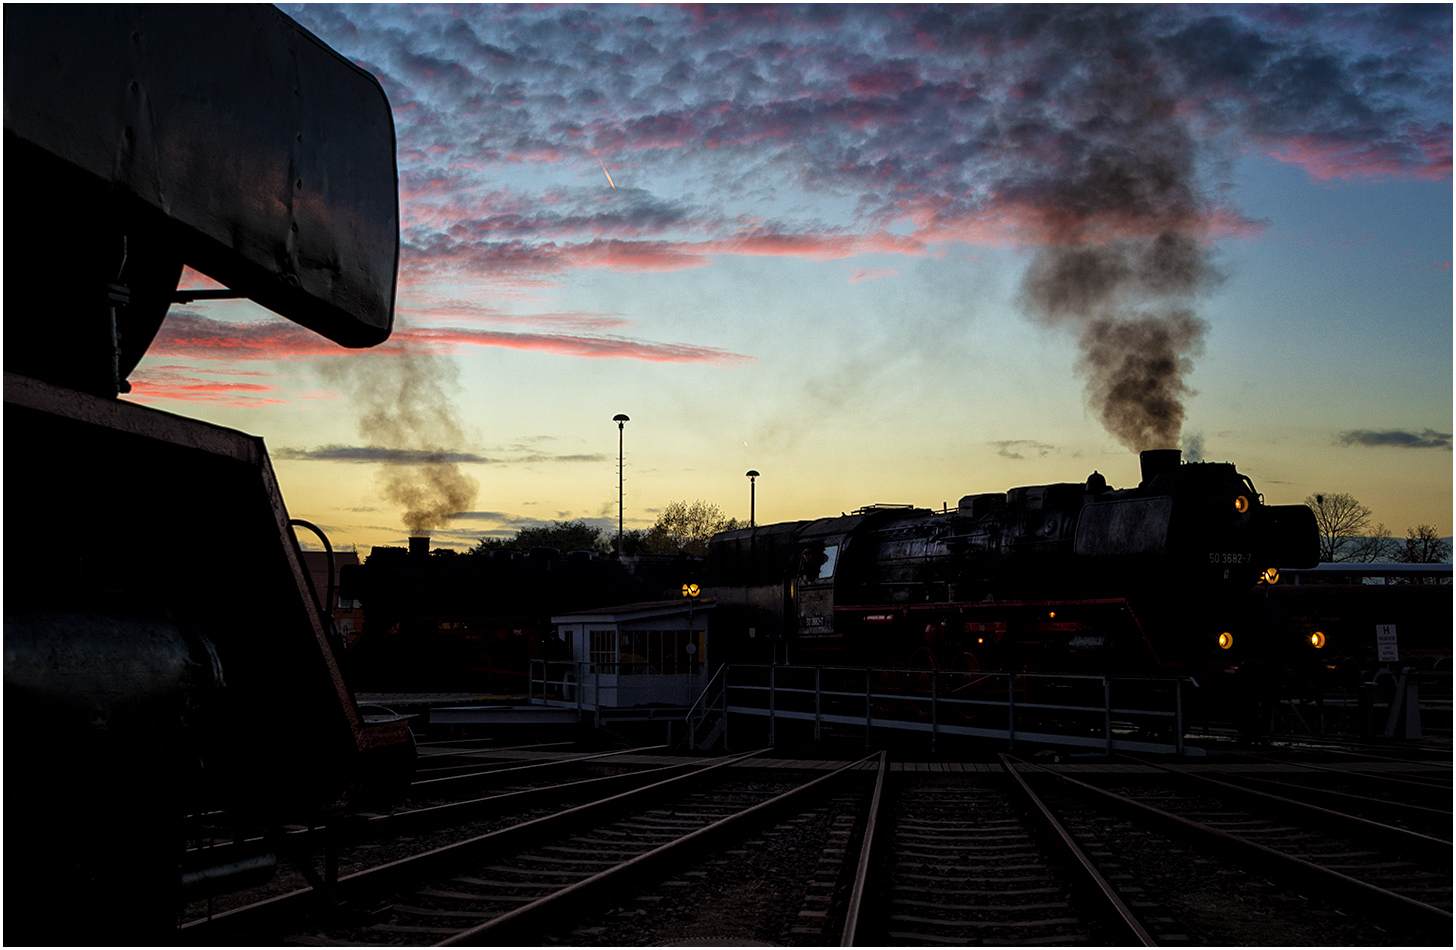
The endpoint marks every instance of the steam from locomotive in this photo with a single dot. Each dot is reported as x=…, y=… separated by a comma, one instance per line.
x=1121, y=259
x=404, y=406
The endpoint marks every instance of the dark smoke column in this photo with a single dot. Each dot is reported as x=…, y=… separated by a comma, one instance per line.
x=404, y=408
x=1121, y=258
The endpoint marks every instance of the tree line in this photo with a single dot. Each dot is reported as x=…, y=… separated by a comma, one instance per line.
x=681, y=528
x=1345, y=529
x=1347, y=535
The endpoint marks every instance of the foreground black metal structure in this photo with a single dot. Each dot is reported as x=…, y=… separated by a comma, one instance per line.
x=165, y=654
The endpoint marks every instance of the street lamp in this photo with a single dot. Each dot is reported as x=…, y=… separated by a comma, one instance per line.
x=621, y=420
x=752, y=476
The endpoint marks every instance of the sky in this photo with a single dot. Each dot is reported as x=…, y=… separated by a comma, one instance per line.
x=880, y=254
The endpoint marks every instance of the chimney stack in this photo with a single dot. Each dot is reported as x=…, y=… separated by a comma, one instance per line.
x=1157, y=462
x=419, y=546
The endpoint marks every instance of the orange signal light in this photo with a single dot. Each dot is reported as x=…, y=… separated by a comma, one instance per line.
x=1225, y=640
x=1317, y=640
x=1241, y=504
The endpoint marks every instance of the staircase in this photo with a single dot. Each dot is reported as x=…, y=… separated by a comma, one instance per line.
x=707, y=719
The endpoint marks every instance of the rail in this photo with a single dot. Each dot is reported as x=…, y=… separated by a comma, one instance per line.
x=1112, y=713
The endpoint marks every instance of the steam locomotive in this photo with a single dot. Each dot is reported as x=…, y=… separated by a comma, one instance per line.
x=1073, y=577
x=169, y=673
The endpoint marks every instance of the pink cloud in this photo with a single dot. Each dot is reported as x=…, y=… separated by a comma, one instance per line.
x=196, y=280
x=159, y=385
x=428, y=311
x=1036, y=223
x=563, y=344
x=1326, y=159
x=819, y=247
x=191, y=336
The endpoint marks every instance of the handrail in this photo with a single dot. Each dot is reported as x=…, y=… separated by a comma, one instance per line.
x=1154, y=709
x=704, y=694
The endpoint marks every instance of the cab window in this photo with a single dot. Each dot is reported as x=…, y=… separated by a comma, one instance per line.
x=817, y=563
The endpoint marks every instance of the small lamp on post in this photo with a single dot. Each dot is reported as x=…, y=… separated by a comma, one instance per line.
x=752, y=486
x=621, y=420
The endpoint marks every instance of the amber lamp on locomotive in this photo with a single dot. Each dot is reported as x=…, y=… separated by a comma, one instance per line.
x=1225, y=640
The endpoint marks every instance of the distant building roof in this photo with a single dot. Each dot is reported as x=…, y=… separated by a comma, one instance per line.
x=646, y=610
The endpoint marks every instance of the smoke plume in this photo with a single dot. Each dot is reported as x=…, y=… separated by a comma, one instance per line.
x=404, y=406
x=1121, y=257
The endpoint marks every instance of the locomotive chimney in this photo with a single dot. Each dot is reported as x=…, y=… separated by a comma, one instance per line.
x=1157, y=462
x=419, y=546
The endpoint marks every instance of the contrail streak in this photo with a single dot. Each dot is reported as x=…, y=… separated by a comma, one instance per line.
x=608, y=174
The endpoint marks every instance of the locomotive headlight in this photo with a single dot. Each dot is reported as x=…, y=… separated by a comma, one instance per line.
x=1225, y=640
x=1241, y=504
x=1317, y=640
x=1270, y=575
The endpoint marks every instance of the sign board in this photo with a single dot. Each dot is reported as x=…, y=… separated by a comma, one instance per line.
x=1385, y=646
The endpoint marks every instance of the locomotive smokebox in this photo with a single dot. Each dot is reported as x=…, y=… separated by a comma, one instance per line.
x=1157, y=462
x=419, y=545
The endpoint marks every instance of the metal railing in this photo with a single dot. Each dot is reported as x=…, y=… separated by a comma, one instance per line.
x=591, y=686
x=1404, y=704
x=1112, y=713
x=710, y=710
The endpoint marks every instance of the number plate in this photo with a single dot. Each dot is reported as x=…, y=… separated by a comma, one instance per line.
x=1218, y=557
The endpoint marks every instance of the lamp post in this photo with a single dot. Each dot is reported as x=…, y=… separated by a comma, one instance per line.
x=621, y=420
x=752, y=476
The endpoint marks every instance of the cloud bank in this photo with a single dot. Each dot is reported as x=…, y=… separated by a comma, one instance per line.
x=1425, y=439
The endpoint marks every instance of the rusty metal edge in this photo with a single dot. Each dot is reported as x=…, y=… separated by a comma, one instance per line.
x=129, y=418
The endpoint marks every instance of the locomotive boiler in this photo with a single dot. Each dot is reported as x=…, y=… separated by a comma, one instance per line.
x=1070, y=577
x=169, y=676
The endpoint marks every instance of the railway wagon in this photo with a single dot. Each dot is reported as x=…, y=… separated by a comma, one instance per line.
x=442, y=622
x=169, y=672
x=1347, y=606
x=1073, y=577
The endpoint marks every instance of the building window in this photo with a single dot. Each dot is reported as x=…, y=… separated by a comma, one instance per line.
x=659, y=651
x=603, y=654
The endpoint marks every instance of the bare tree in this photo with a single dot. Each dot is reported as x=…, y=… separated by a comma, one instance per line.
x=684, y=528
x=1423, y=546
x=1345, y=530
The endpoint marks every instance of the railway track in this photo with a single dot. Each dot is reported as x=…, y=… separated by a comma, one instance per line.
x=434, y=811
x=746, y=850
x=494, y=886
